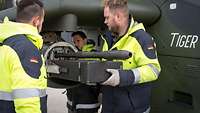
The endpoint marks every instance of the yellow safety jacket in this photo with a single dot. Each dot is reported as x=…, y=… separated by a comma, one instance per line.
x=133, y=93
x=22, y=72
x=144, y=62
x=88, y=48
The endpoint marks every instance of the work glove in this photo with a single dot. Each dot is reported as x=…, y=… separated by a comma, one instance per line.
x=114, y=79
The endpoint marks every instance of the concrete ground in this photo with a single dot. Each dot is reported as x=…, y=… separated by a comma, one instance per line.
x=56, y=101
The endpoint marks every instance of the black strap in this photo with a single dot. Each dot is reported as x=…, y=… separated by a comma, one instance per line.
x=1, y=44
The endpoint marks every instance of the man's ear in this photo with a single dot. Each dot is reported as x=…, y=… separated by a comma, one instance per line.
x=36, y=21
x=85, y=41
x=118, y=16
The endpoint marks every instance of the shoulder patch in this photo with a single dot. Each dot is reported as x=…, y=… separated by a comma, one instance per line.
x=28, y=53
x=147, y=43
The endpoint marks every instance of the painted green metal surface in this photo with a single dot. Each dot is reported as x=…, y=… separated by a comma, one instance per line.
x=175, y=26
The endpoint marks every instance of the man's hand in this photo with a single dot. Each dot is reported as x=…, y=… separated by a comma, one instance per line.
x=114, y=79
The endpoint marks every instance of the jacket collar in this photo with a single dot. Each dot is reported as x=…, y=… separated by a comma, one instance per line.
x=9, y=28
x=133, y=27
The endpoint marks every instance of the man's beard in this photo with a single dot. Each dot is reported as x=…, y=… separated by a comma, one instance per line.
x=114, y=30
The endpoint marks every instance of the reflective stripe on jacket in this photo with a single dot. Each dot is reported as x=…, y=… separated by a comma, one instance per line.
x=133, y=93
x=22, y=77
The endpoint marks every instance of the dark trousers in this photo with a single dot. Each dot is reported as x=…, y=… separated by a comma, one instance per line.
x=83, y=95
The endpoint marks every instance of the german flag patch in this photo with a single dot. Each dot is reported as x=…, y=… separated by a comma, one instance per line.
x=34, y=60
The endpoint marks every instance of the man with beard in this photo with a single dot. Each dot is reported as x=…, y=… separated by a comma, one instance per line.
x=128, y=90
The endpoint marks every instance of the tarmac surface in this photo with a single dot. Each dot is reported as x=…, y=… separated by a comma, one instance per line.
x=56, y=102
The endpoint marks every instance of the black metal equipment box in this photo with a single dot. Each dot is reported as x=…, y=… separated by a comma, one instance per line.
x=84, y=71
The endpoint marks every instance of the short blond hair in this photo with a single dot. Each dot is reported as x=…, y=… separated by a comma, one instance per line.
x=114, y=4
x=117, y=5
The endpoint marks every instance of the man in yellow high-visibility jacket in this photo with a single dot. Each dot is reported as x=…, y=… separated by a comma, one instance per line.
x=22, y=73
x=128, y=90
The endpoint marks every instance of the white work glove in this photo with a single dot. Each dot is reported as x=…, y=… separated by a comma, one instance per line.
x=114, y=79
